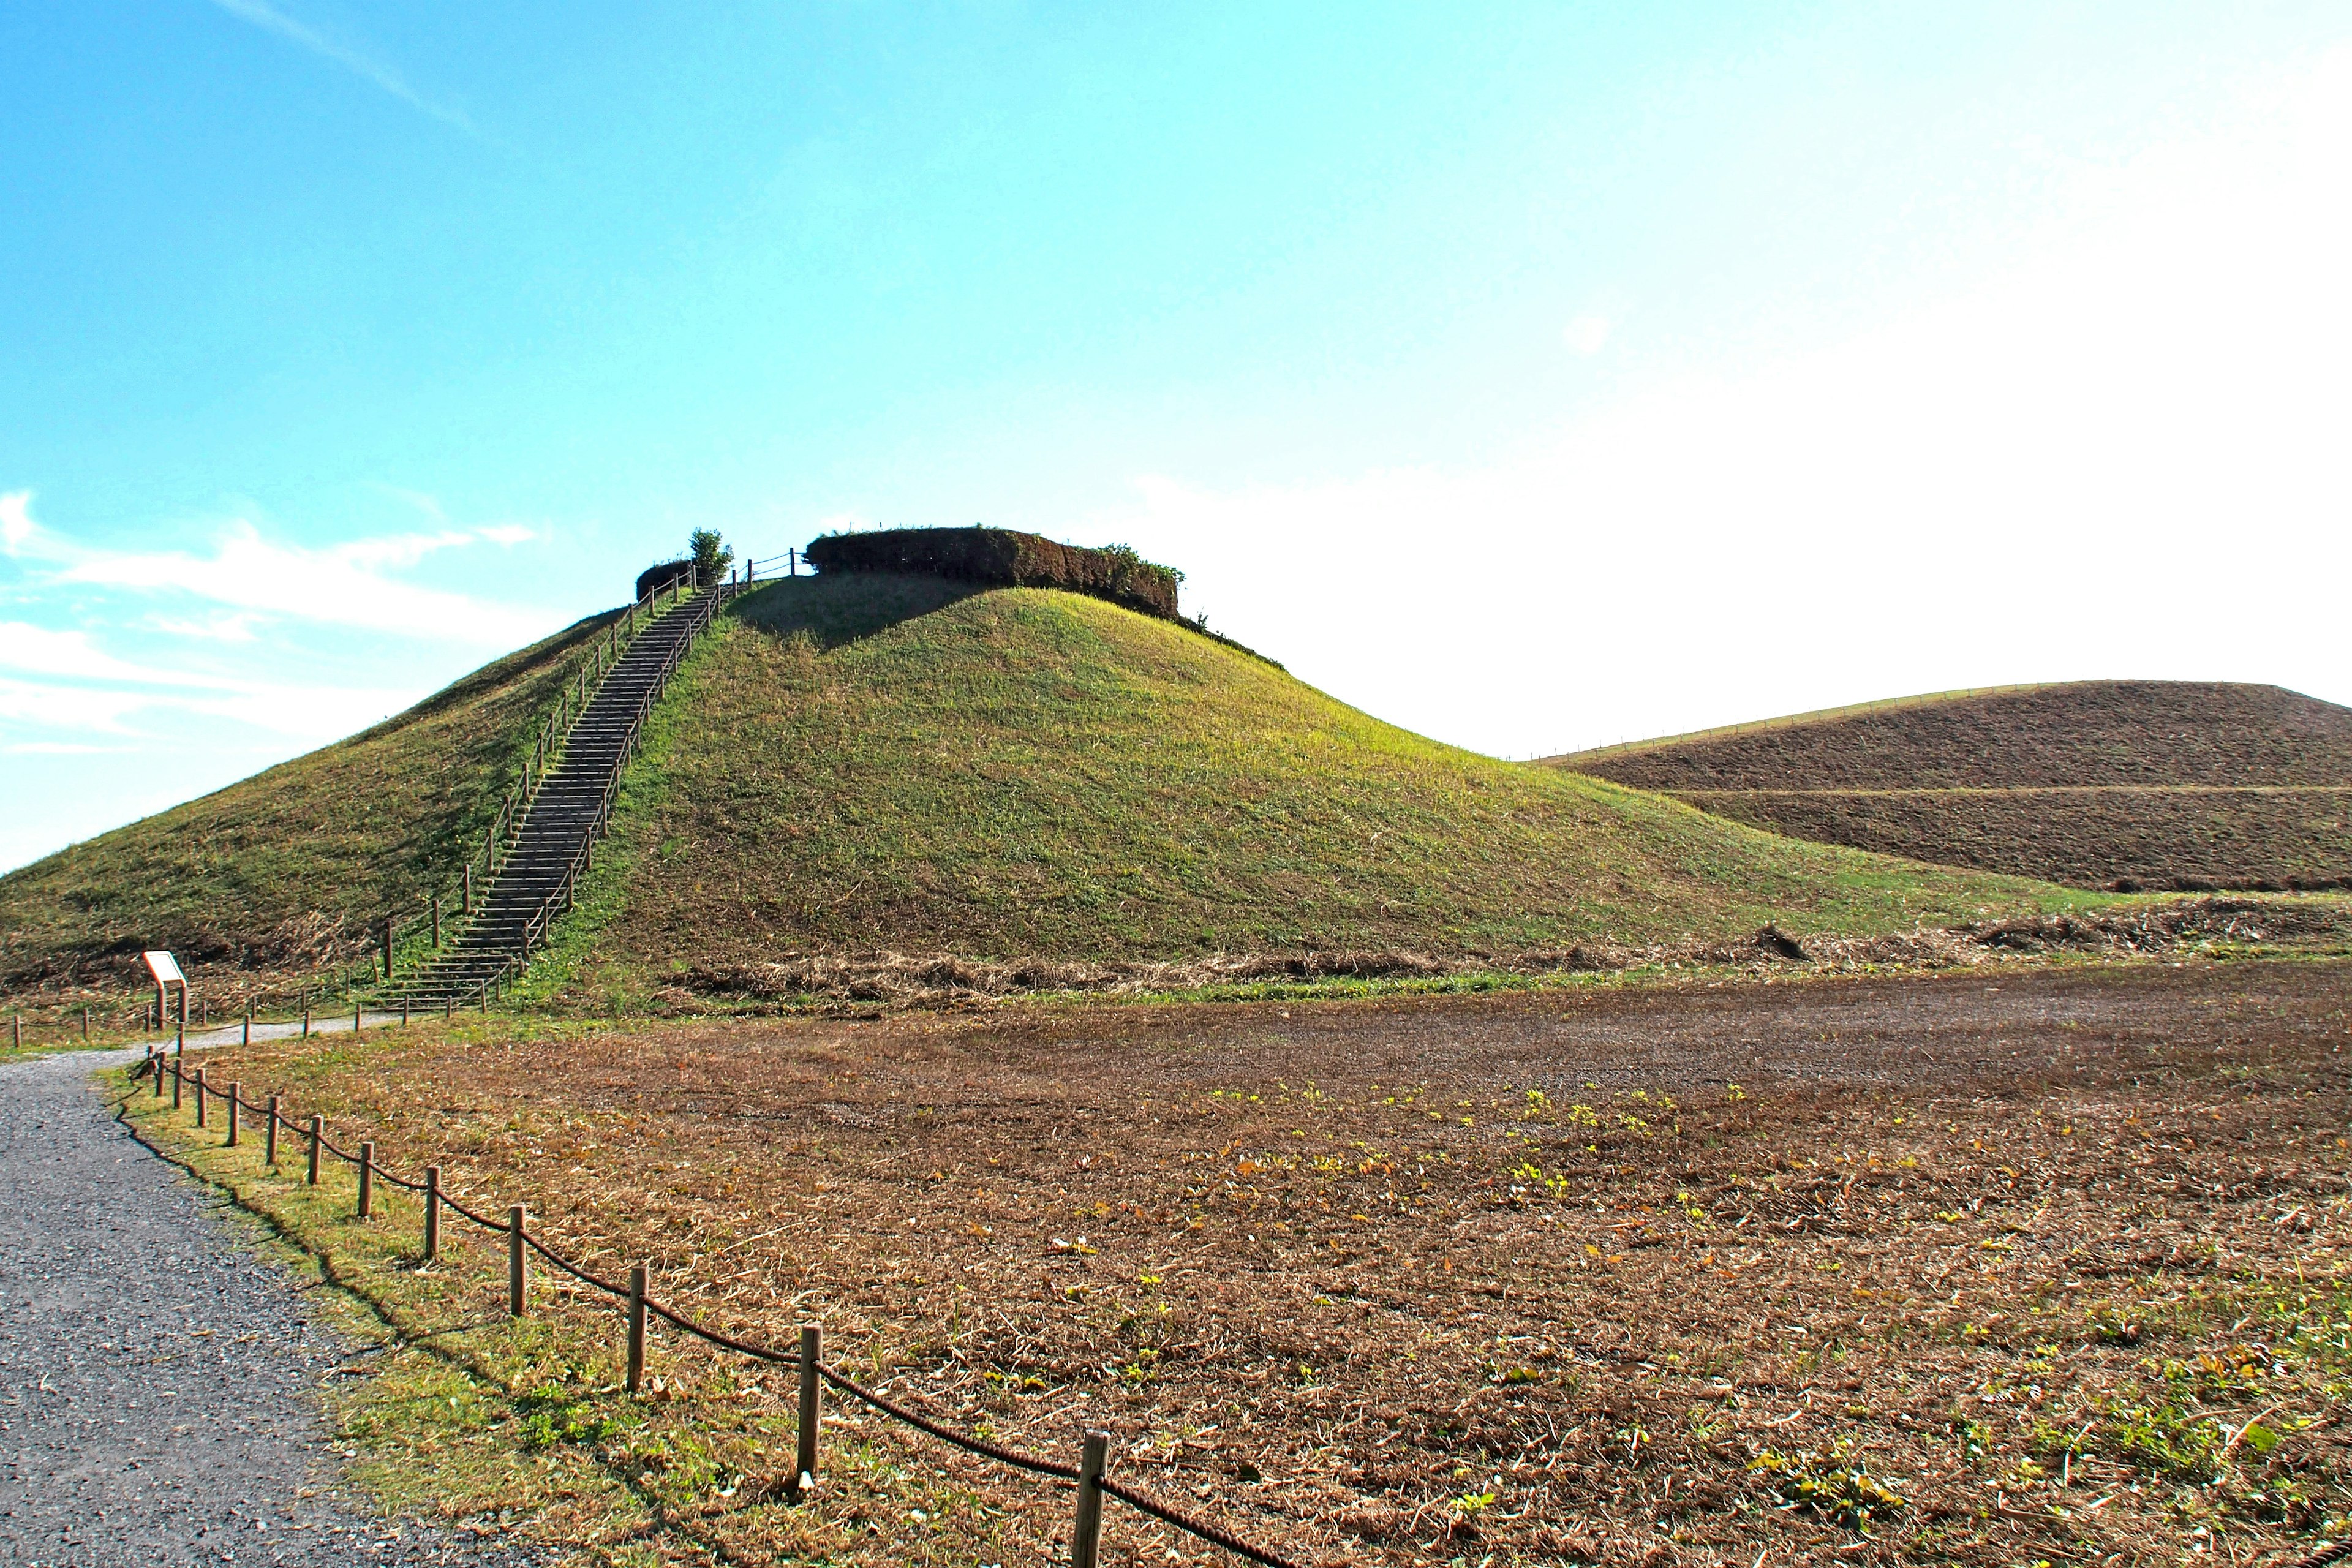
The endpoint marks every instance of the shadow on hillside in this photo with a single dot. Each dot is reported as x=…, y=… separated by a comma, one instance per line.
x=848, y=605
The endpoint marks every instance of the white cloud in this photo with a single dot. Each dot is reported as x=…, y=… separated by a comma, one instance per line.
x=343, y=584
x=36, y=650
x=67, y=708
x=1586, y=334
x=2122, y=456
x=508, y=533
x=237, y=628
x=317, y=712
x=60, y=749
x=15, y=520
x=270, y=20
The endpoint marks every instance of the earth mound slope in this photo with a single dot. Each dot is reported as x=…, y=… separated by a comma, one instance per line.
x=2126, y=784
x=283, y=872
x=861, y=761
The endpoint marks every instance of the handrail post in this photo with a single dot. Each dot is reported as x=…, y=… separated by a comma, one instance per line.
x=367, y=1178
x=804, y=1456
x=514, y=1261
x=318, y=1136
x=432, y=1213
x=637, y=1325
x=269, y=1141
x=1085, y=1536
x=200, y=1096
x=235, y=1098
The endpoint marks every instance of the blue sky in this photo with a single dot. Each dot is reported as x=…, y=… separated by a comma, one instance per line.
x=1532, y=375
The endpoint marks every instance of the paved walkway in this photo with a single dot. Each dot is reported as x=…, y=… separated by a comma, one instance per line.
x=158, y=1379
x=320, y=1023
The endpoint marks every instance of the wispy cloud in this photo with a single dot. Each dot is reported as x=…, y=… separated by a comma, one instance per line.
x=76, y=686
x=236, y=629
x=59, y=749
x=343, y=585
x=271, y=19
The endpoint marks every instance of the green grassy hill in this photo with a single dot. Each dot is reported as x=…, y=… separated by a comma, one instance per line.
x=865, y=762
x=2118, y=783
x=851, y=763
x=283, y=871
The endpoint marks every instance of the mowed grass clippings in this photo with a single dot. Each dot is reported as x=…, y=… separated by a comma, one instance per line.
x=2034, y=1266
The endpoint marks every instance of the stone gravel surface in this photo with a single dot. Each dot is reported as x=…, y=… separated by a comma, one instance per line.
x=159, y=1378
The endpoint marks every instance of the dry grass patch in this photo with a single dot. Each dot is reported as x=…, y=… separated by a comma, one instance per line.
x=2033, y=1266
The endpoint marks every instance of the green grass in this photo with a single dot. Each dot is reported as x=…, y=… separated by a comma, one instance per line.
x=282, y=871
x=858, y=762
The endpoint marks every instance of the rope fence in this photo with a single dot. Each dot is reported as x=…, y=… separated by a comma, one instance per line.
x=1093, y=1485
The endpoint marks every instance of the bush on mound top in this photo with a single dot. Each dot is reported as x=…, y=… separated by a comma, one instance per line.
x=1002, y=558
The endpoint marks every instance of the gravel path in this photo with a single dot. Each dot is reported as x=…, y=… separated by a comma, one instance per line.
x=157, y=1377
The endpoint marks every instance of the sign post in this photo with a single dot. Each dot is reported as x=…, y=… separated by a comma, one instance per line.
x=165, y=971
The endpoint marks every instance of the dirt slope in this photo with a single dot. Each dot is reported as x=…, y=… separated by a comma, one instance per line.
x=2168, y=785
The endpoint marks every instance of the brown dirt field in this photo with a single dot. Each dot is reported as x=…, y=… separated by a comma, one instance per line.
x=2130, y=783
x=2177, y=840
x=1702, y=1273
x=2052, y=737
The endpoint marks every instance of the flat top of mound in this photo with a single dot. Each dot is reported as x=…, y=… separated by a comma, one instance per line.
x=2083, y=734
x=852, y=763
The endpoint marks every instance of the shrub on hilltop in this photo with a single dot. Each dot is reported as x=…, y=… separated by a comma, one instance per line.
x=1002, y=558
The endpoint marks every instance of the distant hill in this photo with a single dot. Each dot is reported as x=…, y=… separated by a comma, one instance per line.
x=2121, y=783
x=859, y=761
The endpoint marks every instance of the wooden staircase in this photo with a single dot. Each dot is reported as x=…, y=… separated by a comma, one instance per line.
x=552, y=838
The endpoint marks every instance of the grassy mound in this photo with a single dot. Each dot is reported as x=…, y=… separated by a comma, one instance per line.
x=2168, y=785
x=859, y=761
x=283, y=871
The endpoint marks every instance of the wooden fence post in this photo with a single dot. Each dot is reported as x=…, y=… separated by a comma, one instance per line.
x=200, y=1096
x=387, y=947
x=160, y=1060
x=270, y=1146
x=437, y=923
x=248, y=1020
x=306, y=1018
x=432, y=1213
x=235, y=1098
x=318, y=1136
x=367, y=1178
x=637, y=1325
x=178, y=1078
x=514, y=1261
x=85, y=1023
x=17, y=1027
x=804, y=1458
x=355, y=1016
x=1085, y=1536
x=466, y=891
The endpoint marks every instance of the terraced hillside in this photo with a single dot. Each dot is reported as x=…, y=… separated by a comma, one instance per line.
x=2123, y=784
x=861, y=762
x=283, y=871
